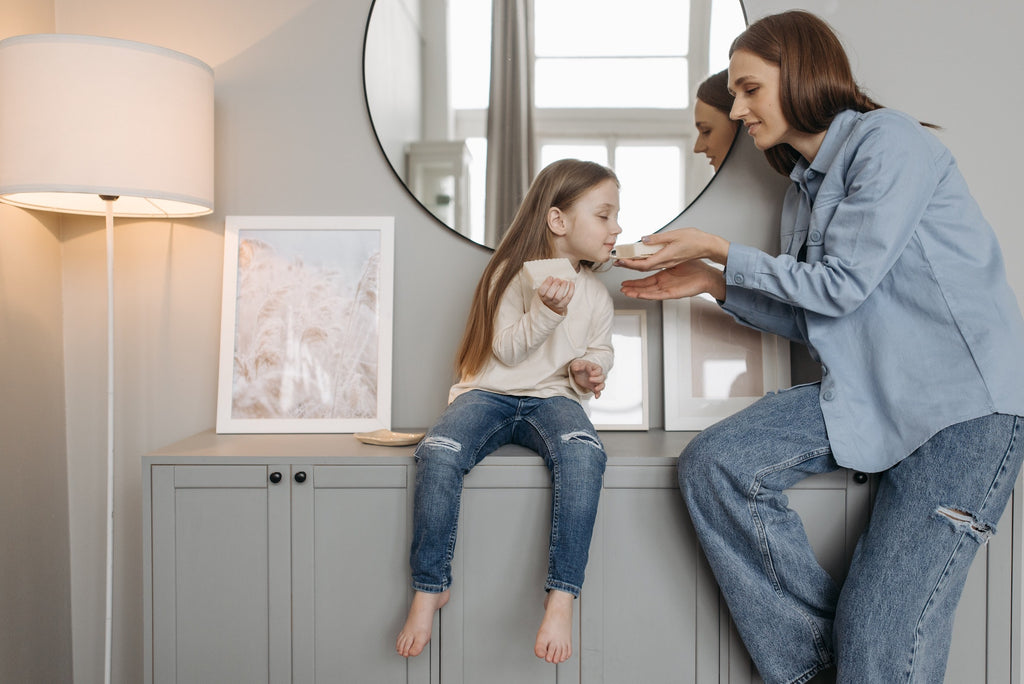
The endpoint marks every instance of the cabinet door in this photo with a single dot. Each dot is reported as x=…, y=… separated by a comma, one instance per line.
x=351, y=586
x=220, y=579
x=650, y=603
x=489, y=627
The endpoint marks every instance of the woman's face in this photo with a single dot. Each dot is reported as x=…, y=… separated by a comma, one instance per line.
x=715, y=132
x=755, y=84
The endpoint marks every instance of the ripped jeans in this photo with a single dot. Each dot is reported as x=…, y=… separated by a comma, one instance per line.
x=476, y=424
x=892, y=619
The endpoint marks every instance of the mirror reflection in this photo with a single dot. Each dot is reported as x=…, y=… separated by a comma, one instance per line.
x=601, y=80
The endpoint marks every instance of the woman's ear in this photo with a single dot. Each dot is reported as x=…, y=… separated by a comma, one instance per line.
x=556, y=221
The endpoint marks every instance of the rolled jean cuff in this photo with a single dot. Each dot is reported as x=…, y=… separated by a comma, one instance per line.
x=812, y=673
x=562, y=586
x=430, y=588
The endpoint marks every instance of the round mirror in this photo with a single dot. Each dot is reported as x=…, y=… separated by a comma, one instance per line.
x=603, y=80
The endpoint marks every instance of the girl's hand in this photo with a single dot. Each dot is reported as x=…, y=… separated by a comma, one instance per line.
x=680, y=245
x=556, y=294
x=682, y=280
x=588, y=375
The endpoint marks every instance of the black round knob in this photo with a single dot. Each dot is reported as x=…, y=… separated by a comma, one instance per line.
x=300, y=476
x=860, y=478
x=275, y=477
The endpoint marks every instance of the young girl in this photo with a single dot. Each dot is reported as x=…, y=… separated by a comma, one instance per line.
x=893, y=278
x=528, y=357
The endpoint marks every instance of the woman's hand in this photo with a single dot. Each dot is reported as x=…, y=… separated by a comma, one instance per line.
x=680, y=245
x=556, y=294
x=588, y=375
x=682, y=280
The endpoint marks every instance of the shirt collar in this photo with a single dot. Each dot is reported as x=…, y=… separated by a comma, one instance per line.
x=835, y=137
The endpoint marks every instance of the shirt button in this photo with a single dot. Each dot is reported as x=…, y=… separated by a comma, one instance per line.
x=810, y=174
x=738, y=279
x=828, y=395
x=815, y=236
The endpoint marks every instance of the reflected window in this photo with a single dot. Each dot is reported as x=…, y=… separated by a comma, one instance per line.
x=591, y=56
x=612, y=54
x=469, y=45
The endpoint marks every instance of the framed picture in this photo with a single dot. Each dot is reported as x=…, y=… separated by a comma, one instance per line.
x=623, y=403
x=306, y=324
x=714, y=366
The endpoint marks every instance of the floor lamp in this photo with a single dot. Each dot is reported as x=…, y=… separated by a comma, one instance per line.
x=105, y=127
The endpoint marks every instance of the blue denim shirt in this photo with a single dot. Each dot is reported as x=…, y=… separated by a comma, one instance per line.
x=902, y=294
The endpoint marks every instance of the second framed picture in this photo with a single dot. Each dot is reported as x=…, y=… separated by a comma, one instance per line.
x=306, y=324
x=714, y=366
x=623, y=405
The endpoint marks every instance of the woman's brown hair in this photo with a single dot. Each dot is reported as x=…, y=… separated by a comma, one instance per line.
x=560, y=185
x=815, y=79
x=714, y=90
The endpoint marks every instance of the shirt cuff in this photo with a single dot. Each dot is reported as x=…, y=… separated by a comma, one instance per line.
x=739, y=268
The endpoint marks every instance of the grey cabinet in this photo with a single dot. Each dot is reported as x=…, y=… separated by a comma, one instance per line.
x=248, y=580
x=251, y=578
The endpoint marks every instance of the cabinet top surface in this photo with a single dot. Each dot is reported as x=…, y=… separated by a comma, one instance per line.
x=630, y=447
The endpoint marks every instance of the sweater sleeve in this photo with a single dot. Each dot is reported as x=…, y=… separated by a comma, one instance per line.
x=523, y=323
x=599, y=344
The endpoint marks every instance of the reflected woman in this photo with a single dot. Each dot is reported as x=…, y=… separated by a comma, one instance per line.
x=715, y=130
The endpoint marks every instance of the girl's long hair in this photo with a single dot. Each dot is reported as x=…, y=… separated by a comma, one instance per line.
x=560, y=185
x=815, y=79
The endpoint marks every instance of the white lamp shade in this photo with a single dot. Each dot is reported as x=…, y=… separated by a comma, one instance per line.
x=84, y=116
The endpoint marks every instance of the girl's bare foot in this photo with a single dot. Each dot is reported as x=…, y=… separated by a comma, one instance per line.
x=416, y=632
x=554, y=638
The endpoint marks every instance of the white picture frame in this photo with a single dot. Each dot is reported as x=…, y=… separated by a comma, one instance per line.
x=624, y=403
x=714, y=366
x=306, y=324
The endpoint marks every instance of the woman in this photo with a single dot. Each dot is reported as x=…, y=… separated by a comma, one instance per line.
x=715, y=130
x=893, y=279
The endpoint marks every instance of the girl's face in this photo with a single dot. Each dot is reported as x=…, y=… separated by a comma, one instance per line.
x=715, y=132
x=755, y=84
x=586, y=232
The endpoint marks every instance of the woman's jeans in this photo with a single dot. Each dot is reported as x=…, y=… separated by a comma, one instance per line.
x=474, y=425
x=892, y=620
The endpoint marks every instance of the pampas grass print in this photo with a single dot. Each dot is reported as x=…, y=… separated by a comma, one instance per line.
x=306, y=337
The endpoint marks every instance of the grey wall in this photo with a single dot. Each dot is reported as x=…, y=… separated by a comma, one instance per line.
x=293, y=138
x=35, y=572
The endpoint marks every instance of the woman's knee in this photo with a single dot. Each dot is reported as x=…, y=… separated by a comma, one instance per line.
x=701, y=463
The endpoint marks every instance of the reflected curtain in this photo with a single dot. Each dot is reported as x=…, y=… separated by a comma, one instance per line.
x=509, y=116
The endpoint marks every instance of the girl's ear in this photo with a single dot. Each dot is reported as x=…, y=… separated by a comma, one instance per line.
x=556, y=221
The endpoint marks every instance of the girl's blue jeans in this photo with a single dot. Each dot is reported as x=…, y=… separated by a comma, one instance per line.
x=474, y=425
x=892, y=620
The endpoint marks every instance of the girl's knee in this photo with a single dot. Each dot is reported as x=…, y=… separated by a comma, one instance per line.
x=436, y=450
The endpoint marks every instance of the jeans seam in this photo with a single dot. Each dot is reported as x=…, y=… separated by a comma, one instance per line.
x=939, y=584
x=959, y=544
x=811, y=673
x=1002, y=466
x=555, y=489
x=762, y=538
x=453, y=536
